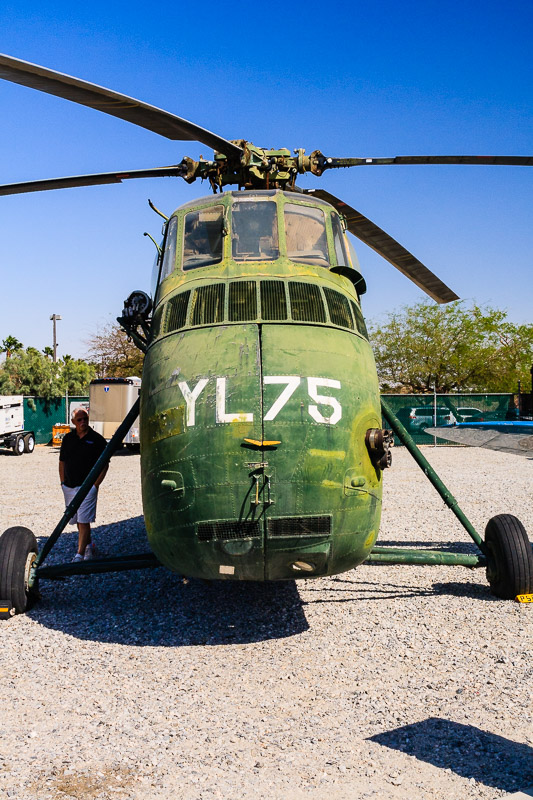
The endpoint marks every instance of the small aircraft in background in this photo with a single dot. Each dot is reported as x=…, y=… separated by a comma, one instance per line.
x=505, y=436
x=514, y=434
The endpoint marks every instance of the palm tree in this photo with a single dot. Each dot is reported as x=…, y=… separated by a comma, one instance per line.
x=10, y=345
x=48, y=351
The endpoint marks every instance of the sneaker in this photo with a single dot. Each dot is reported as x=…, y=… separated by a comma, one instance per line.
x=90, y=552
x=77, y=557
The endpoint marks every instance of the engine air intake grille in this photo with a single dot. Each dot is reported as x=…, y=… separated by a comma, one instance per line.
x=359, y=319
x=339, y=308
x=156, y=321
x=242, y=303
x=306, y=302
x=299, y=526
x=230, y=529
x=177, y=312
x=273, y=300
x=208, y=305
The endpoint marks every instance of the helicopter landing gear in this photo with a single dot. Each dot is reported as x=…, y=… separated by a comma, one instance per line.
x=18, y=551
x=510, y=565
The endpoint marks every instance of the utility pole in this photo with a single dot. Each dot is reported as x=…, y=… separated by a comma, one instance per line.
x=54, y=319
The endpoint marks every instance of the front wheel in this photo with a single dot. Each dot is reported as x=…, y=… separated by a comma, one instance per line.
x=18, y=549
x=510, y=567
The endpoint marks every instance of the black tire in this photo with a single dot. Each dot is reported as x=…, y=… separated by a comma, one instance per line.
x=29, y=443
x=18, y=546
x=18, y=447
x=510, y=568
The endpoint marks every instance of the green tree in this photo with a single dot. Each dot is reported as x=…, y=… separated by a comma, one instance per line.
x=48, y=351
x=10, y=345
x=113, y=354
x=76, y=375
x=30, y=372
x=451, y=348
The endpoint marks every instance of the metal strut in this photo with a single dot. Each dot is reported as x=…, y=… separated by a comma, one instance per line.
x=432, y=476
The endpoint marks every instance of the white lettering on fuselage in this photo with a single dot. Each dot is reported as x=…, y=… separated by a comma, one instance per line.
x=220, y=412
x=291, y=384
x=190, y=398
x=292, y=381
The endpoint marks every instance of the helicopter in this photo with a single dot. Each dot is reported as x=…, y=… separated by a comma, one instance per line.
x=262, y=439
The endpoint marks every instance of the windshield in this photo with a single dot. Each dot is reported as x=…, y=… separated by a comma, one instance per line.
x=203, y=237
x=305, y=230
x=338, y=240
x=155, y=277
x=254, y=231
x=169, y=256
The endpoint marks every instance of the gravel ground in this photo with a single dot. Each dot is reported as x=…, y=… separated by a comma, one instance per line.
x=389, y=681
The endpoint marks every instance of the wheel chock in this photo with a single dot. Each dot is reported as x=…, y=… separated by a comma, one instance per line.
x=5, y=611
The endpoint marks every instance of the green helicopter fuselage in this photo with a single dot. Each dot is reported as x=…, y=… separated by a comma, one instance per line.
x=259, y=386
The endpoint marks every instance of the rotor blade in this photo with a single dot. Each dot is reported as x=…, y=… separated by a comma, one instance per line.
x=389, y=248
x=117, y=105
x=97, y=179
x=512, y=161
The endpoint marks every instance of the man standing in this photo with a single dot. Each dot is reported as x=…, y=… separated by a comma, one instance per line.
x=80, y=450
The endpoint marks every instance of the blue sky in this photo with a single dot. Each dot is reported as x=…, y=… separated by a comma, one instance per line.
x=352, y=79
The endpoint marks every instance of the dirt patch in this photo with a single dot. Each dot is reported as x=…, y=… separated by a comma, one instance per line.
x=84, y=785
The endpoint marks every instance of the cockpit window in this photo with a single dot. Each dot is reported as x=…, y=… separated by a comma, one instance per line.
x=155, y=277
x=254, y=231
x=169, y=256
x=305, y=231
x=203, y=237
x=338, y=240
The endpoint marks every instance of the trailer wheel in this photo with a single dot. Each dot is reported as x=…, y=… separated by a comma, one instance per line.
x=29, y=443
x=510, y=569
x=18, y=549
x=18, y=447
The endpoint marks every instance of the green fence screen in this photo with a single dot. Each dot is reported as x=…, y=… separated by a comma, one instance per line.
x=41, y=415
x=419, y=411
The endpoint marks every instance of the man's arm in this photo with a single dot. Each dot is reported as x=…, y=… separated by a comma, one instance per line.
x=101, y=477
x=62, y=471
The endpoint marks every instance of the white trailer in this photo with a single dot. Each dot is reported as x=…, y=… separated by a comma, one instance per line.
x=110, y=399
x=73, y=405
x=12, y=432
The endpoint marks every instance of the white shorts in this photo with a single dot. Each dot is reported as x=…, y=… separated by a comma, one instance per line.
x=87, y=511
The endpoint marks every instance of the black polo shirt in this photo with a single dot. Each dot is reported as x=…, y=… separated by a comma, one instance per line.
x=80, y=455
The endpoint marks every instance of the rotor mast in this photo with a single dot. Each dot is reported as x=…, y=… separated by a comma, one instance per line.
x=257, y=168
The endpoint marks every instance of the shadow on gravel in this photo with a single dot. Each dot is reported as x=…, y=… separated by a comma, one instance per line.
x=465, y=750
x=155, y=607
x=380, y=590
